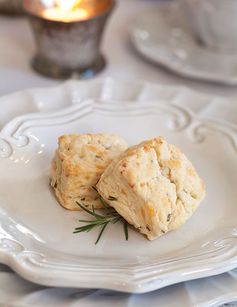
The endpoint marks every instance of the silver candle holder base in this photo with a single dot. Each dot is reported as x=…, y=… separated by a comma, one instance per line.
x=11, y=7
x=52, y=70
x=68, y=49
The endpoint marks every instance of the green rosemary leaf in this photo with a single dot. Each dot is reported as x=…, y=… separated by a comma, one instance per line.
x=101, y=232
x=110, y=217
x=89, y=221
x=89, y=211
x=112, y=198
x=104, y=204
x=125, y=227
x=116, y=219
x=91, y=225
x=94, y=188
x=83, y=228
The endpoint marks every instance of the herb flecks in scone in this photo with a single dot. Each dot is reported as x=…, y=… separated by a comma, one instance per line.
x=78, y=164
x=153, y=186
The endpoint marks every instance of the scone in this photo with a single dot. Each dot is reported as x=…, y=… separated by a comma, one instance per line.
x=153, y=186
x=78, y=164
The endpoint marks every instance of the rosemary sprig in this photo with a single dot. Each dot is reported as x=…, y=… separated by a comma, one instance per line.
x=125, y=227
x=104, y=204
x=102, y=221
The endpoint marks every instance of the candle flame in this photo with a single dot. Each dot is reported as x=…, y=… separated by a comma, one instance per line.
x=68, y=5
x=66, y=11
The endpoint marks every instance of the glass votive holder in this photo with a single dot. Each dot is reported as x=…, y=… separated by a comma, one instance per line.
x=11, y=7
x=67, y=47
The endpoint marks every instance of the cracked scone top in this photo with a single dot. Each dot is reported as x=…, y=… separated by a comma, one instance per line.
x=153, y=186
x=78, y=164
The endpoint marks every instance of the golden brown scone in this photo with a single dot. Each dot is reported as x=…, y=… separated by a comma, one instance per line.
x=153, y=186
x=78, y=164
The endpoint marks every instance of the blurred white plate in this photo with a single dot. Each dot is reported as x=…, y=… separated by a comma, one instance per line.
x=36, y=237
x=206, y=292
x=162, y=36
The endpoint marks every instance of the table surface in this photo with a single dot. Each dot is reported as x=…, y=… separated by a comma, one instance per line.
x=16, y=50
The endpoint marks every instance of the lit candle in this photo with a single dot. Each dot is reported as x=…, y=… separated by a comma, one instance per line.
x=66, y=11
x=68, y=35
x=69, y=10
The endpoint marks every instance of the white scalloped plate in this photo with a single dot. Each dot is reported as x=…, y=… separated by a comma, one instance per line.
x=36, y=237
x=162, y=36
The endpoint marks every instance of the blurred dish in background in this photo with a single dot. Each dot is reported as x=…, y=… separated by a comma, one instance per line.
x=213, y=22
x=163, y=36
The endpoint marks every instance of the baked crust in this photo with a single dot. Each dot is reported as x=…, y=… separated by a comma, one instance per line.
x=78, y=164
x=153, y=186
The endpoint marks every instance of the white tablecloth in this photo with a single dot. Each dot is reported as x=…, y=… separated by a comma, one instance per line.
x=16, y=50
